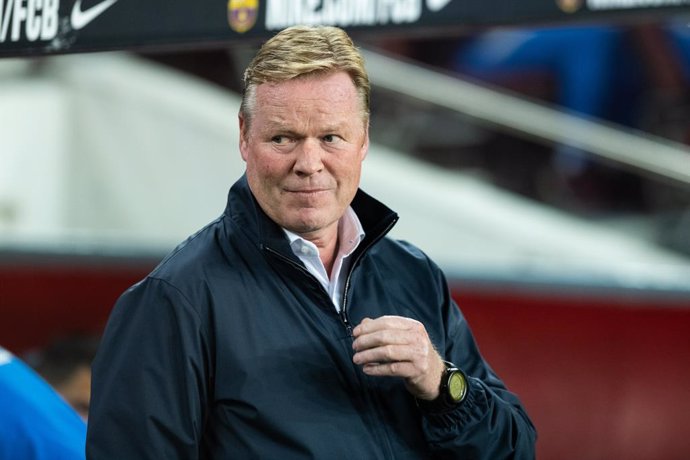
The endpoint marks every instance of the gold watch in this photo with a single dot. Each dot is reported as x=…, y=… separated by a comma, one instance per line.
x=453, y=385
x=452, y=392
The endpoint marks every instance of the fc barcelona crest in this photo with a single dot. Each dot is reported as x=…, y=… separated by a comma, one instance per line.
x=569, y=6
x=242, y=14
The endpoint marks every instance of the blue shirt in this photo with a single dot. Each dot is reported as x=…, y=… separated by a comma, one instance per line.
x=35, y=422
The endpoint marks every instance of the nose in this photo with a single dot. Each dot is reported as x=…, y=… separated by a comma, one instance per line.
x=308, y=159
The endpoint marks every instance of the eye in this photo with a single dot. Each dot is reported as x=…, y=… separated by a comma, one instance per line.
x=280, y=139
x=330, y=138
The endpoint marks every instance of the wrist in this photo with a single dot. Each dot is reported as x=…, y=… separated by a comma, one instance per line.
x=452, y=391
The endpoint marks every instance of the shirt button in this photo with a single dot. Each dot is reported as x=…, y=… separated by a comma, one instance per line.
x=305, y=250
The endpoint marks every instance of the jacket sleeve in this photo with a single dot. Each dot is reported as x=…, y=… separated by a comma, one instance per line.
x=491, y=423
x=149, y=384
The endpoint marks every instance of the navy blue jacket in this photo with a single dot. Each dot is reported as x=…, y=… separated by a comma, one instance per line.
x=231, y=349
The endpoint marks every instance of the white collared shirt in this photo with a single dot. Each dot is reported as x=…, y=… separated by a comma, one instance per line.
x=350, y=234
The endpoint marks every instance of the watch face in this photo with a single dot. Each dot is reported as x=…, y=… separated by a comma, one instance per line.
x=456, y=386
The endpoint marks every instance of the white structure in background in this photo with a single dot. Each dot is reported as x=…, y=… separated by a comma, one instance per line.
x=137, y=155
x=105, y=151
x=33, y=151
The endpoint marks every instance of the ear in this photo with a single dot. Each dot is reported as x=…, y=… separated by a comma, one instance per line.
x=244, y=143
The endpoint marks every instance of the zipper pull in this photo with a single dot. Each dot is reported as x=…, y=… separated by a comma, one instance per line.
x=346, y=322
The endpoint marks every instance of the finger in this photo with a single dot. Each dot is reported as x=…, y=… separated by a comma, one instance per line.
x=382, y=338
x=407, y=332
x=392, y=353
x=401, y=369
x=369, y=325
x=361, y=327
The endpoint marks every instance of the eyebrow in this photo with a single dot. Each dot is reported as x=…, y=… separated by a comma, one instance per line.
x=271, y=126
x=278, y=130
x=333, y=128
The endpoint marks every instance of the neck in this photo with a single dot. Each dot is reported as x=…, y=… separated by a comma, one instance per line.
x=327, y=256
x=327, y=243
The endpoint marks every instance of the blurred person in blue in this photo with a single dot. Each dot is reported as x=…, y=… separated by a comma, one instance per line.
x=592, y=68
x=589, y=70
x=669, y=54
x=292, y=326
x=35, y=422
x=601, y=71
x=585, y=62
x=678, y=32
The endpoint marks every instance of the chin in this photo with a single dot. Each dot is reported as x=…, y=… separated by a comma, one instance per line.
x=306, y=225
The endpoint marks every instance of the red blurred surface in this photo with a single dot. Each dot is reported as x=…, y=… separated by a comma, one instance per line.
x=40, y=302
x=601, y=377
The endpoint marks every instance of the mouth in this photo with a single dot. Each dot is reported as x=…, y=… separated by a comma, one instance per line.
x=308, y=197
x=307, y=192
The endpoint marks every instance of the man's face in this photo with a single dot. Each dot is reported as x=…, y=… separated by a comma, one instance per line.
x=304, y=150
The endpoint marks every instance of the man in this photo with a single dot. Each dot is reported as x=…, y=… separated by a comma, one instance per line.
x=35, y=422
x=292, y=327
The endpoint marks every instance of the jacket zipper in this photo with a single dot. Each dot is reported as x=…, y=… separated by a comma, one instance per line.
x=294, y=265
x=343, y=308
x=344, y=319
x=342, y=314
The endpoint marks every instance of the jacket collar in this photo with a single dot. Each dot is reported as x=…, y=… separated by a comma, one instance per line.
x=242, y=208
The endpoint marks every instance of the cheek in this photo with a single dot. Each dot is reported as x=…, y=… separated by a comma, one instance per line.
x=266, y=174
x=271, y=170
x=352, y=171
x=261, y=164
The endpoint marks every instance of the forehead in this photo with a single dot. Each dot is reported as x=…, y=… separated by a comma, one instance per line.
x=329, y=94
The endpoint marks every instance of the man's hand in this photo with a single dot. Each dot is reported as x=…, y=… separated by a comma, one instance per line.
x=399, y=347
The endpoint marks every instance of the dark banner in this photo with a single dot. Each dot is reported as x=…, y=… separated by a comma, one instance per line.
x=39, y=27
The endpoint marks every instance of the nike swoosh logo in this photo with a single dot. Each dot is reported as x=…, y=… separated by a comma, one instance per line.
x=436, y=5
x=81, y=18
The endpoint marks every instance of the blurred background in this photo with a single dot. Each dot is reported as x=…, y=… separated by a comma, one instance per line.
x=545, y=168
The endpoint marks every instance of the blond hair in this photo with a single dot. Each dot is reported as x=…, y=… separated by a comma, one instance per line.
x=301, y=51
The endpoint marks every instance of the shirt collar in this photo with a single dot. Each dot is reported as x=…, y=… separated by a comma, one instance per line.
x=350, y=234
